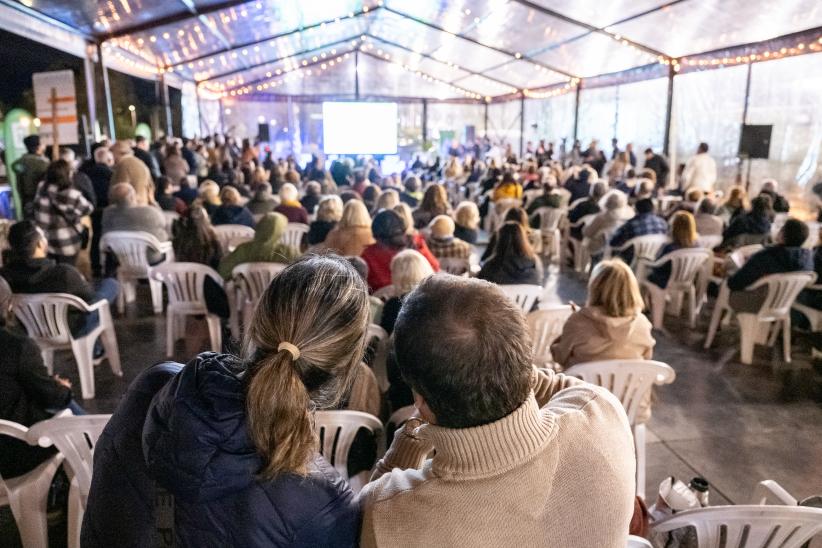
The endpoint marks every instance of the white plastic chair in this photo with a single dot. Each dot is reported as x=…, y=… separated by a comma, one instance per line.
x=638, y=542
x=455, y=266
x=686, y=266
x=171, y=217
x=550, y=219
x=293, y=235
x=645, y=247
x=813, y=235
x=5, y=297
x=496, y=213
x=131, y=249
x=230, y=236
x=748, y=525
x=708, y=242
x=524, y=295
x=27, y=495
x=386, y=292
x=579, y=251
x=45, y=317
x=545, y=326
x=250, y=281
x=184, y=284
x=336, y=431
x=529, y=196
x=631, y=381
x=75, y=438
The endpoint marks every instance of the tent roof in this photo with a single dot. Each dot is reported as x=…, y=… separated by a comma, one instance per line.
x=416, y=48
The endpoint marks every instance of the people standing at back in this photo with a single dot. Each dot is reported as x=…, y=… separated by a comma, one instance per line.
x=700, y=170
x=58, y=211
x=30, y=169
x=659, y=165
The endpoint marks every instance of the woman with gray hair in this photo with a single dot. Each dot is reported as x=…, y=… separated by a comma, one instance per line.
x=615, y=212
x=329, y=213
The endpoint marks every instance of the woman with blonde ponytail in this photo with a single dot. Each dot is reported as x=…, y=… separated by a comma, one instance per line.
x=231, y=439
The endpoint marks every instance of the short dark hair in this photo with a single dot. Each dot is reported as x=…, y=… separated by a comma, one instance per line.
x=32, y=143
x=707, y=206
x=703, y=147
x=389, y=229
x=794, y=232
x=59, y=173
x=762, y=205
x=472, y=368
x=649, y=151
x=645, y=205
x=23, y=237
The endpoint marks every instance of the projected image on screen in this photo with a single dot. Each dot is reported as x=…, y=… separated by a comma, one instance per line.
x=360, y=128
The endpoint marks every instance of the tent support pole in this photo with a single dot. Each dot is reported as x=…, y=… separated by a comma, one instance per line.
x=424, y=121
x=357, y=75
x=164, y=100
x=576, y=112
x=91, y=98
x=107, y=93
x=745, y=121
x=669, y=109
x=521, y=125
x=485, y=120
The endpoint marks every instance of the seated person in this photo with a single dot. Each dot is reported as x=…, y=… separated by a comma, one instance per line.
x=352, y=234
x=434, y=202
x=408, y=269
x=290, y=207
x=329, y=213
x=263, y=201
x=264, y=248
x=165, y=198
x=778, y=201
x=514, y=215
x=811, y=297
x=691, y=201
x=313, y=194
x=610, y=326
x=442, y=242
x=30, y=271
x=606, y=222
x=580, y=186
x=508, y=189
x=753, y=227
x=546, y=199
x=590, y=206
x=787, y=255
x=412, y=195
x=186, y=193
x=30, y=395
x=125, y=214
x=512, y=260
x=466, y=219
x=209, y=196
x=230, y=212
x=498, y=442
x=708, y=223
x=644, y=223
x=683, y=236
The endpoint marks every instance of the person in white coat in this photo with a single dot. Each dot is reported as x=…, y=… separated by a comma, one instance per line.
x=700, y=171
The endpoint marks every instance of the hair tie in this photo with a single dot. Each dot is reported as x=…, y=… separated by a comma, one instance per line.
x=293, y=350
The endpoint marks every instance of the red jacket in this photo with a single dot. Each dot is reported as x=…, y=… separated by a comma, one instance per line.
x=378, y=258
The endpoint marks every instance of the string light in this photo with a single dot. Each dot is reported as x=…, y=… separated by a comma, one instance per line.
x=554, y=91
x=759, y=53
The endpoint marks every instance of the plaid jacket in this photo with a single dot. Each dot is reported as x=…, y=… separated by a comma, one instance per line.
x=58, y=213
x=640, y=225
x=449, y=248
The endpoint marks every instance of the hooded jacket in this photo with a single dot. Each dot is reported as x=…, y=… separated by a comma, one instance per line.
x=185, y=429
x=264, y=248
x=227, y=214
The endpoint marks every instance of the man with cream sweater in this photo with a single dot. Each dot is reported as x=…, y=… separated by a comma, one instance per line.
x=503, y=454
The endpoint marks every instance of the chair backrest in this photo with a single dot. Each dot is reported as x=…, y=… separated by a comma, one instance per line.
x=628, y=380
x=45, y=315
x=813, y=235
x=531, y=195
x=753, y=526
x=229, y=235
x=646, y=247
x=505, y=204
x=171, y=217
x=525, y=295
x=686, y=264
x=549, y=218
x=254, y=278
x=375, y=331
x=545, y=326
x=131, y=248
x=741, y=255
x=336, y=431
x=75, y=437
x=5, y=296
x=184, y=282
x=638, y=542
x=575, y=203
x=386, y=292
x=293, y=235
x=709, y=242
x=454, y=265
x=782, y=292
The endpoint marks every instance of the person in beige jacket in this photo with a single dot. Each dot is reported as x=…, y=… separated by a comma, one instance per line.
x=352, y=234
x=504, y=454
x=610, y=326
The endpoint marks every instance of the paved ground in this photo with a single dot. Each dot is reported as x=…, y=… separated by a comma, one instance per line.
x=735, y=425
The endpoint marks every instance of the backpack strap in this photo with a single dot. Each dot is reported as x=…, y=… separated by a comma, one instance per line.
x=163, y=536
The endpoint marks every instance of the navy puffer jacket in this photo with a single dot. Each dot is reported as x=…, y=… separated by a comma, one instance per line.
x=185, y=428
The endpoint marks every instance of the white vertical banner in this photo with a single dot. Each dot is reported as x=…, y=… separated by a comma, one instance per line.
x=56, y=103
x=294, y=128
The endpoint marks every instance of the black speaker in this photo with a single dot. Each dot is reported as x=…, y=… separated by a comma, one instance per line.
x=263, y=133
x=755, y=141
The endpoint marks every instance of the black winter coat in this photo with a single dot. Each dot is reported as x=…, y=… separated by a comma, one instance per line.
x=185, y=428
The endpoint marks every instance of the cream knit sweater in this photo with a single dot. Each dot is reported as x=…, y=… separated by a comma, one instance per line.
x=561, y=476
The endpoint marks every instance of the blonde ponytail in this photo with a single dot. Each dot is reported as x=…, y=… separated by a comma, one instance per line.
x=319, y=306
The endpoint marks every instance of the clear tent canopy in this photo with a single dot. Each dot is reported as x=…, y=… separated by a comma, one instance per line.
x=440, y=49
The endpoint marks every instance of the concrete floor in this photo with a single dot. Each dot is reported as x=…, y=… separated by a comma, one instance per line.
x=734, y=425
